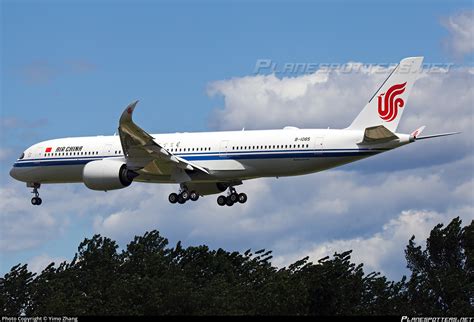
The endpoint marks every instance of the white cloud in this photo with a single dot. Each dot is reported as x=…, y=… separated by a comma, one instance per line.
x=382, y=251
x=20, y=228
x=461, y=33
x=441, y=100
x=40, y=262
x=319, y=99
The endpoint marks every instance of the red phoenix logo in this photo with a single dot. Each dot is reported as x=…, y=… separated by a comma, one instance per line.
x=389, y=105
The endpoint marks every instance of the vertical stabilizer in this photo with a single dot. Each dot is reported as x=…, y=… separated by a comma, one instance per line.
x=387, y=105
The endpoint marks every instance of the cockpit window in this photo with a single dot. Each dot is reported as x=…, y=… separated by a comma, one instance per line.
x=21, y=156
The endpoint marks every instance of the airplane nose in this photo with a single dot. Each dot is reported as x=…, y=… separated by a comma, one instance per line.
x=18, y=174
x=14, y=173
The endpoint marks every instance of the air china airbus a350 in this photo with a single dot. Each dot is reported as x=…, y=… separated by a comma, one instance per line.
x=212, y=162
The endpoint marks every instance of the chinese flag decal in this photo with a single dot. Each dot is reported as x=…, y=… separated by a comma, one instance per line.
x=48, y=150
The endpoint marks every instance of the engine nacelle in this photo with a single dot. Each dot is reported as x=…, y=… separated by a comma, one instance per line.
x=107, y=175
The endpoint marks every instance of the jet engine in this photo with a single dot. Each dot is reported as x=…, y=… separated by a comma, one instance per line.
x=107, y=175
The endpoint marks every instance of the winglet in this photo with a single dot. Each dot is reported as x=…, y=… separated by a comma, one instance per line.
x=128, y=112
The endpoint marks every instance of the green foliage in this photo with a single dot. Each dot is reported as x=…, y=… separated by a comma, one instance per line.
x=151, y=278
x=15, y=290
x=442, y=281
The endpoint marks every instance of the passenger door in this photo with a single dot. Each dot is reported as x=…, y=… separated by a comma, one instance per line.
x=224, y=148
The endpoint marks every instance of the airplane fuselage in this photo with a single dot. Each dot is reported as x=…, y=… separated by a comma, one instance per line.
x=231, y=155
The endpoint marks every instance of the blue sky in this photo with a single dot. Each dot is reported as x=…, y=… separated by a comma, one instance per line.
x=69, y=68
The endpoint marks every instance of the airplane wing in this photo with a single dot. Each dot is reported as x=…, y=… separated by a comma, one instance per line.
x=143, y=153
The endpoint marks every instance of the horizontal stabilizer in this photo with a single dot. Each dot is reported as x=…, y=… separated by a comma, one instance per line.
x=436, y=135
x=377, y=134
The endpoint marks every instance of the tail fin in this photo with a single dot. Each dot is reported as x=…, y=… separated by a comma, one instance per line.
x=387, y=104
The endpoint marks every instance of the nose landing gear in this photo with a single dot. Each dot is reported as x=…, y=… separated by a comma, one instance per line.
x=36, y=200
x=232, y=198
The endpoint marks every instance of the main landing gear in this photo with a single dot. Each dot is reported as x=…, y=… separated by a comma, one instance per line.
x=232, y=198
x=183, y=196
x=36, y=200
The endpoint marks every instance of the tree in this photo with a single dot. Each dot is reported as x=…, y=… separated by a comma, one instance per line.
x=149, y=277
x=15, y=290
x=442, y=281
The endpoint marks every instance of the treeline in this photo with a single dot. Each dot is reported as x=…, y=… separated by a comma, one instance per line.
x=151, y=278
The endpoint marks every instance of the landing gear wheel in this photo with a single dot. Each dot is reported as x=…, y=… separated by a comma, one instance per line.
x=193, y=196
x=181, y=200
x=229, y=202
x=173, y=198
x=234, y=197
x=36, y=201
x=185, y=194
x=221, y=200
x=242, y=197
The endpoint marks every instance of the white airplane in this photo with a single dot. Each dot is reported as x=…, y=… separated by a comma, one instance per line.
x=212, y=162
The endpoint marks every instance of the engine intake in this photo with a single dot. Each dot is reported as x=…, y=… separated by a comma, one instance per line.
x=107, y=175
